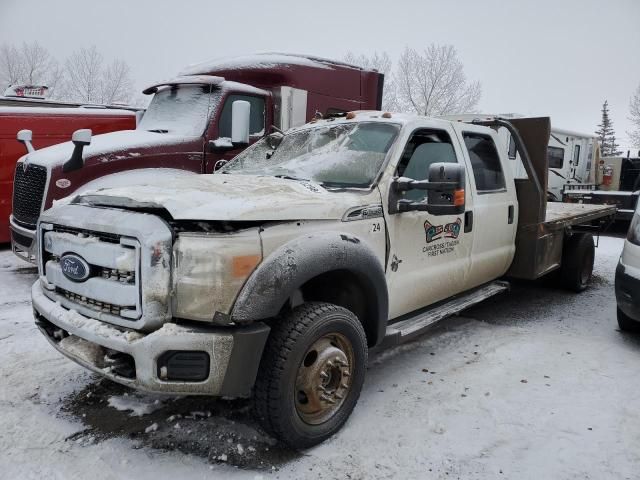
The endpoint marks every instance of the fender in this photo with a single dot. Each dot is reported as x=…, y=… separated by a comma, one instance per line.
x=304, y=258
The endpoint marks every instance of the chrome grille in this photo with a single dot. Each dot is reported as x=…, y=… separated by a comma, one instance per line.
x=28, y=193
x=112, y=290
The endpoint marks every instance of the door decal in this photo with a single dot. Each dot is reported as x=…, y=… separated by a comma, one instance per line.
x=435, y=232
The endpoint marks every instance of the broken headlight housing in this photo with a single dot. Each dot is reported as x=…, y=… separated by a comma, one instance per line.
x=208, y=272
x=634, y=230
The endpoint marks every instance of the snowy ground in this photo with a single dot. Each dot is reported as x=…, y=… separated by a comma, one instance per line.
x=533, y=384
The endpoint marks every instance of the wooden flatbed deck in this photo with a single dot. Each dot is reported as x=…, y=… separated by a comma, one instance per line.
x=576, y=213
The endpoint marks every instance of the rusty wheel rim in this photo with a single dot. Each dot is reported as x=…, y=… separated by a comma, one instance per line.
x=324, y=378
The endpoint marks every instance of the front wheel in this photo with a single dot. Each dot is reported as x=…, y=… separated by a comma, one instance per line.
x=311, y=374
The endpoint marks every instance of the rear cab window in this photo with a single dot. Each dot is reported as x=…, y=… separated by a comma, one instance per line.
x=485, y=162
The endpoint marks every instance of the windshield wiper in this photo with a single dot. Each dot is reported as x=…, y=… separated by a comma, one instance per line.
x=289, y=177
x=158, y=130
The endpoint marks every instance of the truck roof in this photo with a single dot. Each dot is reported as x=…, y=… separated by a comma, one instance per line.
x=267, y=60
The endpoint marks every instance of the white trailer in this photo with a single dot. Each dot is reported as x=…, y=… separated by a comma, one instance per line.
x=571, y=154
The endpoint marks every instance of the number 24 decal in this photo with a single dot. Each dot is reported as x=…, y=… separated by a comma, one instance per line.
x=376, y=227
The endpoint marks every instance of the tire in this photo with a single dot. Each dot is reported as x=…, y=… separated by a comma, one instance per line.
x=626, y=323
x=288, y=367
x=577, y=262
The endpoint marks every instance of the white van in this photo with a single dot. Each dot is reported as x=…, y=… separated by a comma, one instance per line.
x=628, y=279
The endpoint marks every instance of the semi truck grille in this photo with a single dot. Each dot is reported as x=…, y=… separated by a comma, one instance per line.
x=28, y=193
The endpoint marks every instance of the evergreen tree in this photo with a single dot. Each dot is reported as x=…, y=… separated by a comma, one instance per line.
x=606, y=134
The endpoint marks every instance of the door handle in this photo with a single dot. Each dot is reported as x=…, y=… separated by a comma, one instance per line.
x=510, y=214
x=468, y=221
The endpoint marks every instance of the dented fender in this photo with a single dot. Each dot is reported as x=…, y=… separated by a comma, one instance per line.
x=306, y=257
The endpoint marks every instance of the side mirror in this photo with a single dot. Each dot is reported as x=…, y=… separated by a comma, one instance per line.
x=240, y=122
x=445, y=191
x=80, y=138
x=25, y=137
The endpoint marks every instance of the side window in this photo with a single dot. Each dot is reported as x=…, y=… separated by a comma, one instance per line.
x=512, y=148
x=485, y=162
x=256, y=126
x=555, y=156
x=424, y=148
x=576, y=155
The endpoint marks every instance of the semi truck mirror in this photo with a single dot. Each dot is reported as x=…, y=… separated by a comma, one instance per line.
x=240, y=122
x=80, y=138
x=25, y=137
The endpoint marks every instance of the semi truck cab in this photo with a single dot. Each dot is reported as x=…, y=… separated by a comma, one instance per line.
x=187, y=127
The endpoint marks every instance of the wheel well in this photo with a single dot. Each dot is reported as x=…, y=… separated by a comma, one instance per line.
x=346, y=289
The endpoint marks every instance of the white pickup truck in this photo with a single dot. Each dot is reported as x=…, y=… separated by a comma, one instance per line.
x=275, y=276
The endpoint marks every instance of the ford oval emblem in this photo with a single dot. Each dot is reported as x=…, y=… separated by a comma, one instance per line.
x=74, y=267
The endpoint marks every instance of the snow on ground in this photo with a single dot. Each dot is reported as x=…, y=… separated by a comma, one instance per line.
x=536, y=383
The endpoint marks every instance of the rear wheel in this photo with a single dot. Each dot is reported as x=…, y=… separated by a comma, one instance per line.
x=626, y=323
x=577, y=262
x=311, y=374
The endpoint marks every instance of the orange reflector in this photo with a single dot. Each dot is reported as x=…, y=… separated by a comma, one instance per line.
x=458, y=198
x=351, y=115
x=243, y=266
x=386, y=115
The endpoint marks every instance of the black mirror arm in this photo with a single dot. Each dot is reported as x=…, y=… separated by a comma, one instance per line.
x=403, y=184
x=75, y=162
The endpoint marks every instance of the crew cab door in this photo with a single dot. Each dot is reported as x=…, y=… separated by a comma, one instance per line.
x=495, y=206
x=221, y=127
x=429, y=255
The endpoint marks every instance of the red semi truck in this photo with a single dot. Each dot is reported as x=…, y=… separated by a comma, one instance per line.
x=49, y=125
x=186, y=129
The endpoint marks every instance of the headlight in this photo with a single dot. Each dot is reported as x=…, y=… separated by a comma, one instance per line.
x=210, y=270
x=634, y=230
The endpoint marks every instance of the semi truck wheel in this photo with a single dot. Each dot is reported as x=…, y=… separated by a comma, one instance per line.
x=311, y=374
x=626, y=323
x=577, y=262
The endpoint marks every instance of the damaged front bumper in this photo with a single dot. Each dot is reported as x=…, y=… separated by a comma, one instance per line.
x=143, y=360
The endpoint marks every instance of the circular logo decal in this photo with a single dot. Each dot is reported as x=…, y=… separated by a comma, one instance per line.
x=74, y=267
x=63, y=183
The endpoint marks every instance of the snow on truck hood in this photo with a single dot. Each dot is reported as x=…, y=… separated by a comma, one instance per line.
x=109, y=146
x=235, y=197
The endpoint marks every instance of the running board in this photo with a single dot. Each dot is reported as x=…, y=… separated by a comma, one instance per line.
x=416, y=324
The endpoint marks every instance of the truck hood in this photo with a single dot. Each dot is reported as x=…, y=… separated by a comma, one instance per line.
x=236, y=198
x=109, y=147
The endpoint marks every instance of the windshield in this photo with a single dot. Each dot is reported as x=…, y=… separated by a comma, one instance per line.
x=346, y=154
x=182, y=111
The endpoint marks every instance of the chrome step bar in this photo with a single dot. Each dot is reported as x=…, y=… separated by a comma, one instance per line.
x=409, y=327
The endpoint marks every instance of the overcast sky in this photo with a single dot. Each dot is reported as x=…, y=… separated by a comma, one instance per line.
x=561, y=58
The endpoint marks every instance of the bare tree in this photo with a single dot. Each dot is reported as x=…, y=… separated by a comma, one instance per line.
x=634, y=110
x=83, y=70
x=30, y=64
x=116, y=85
x=88, y=80
x=383, y=64
x=433, y=82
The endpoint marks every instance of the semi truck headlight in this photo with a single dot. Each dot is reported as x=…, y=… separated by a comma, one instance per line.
x=210, y=270
x=634, y=230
